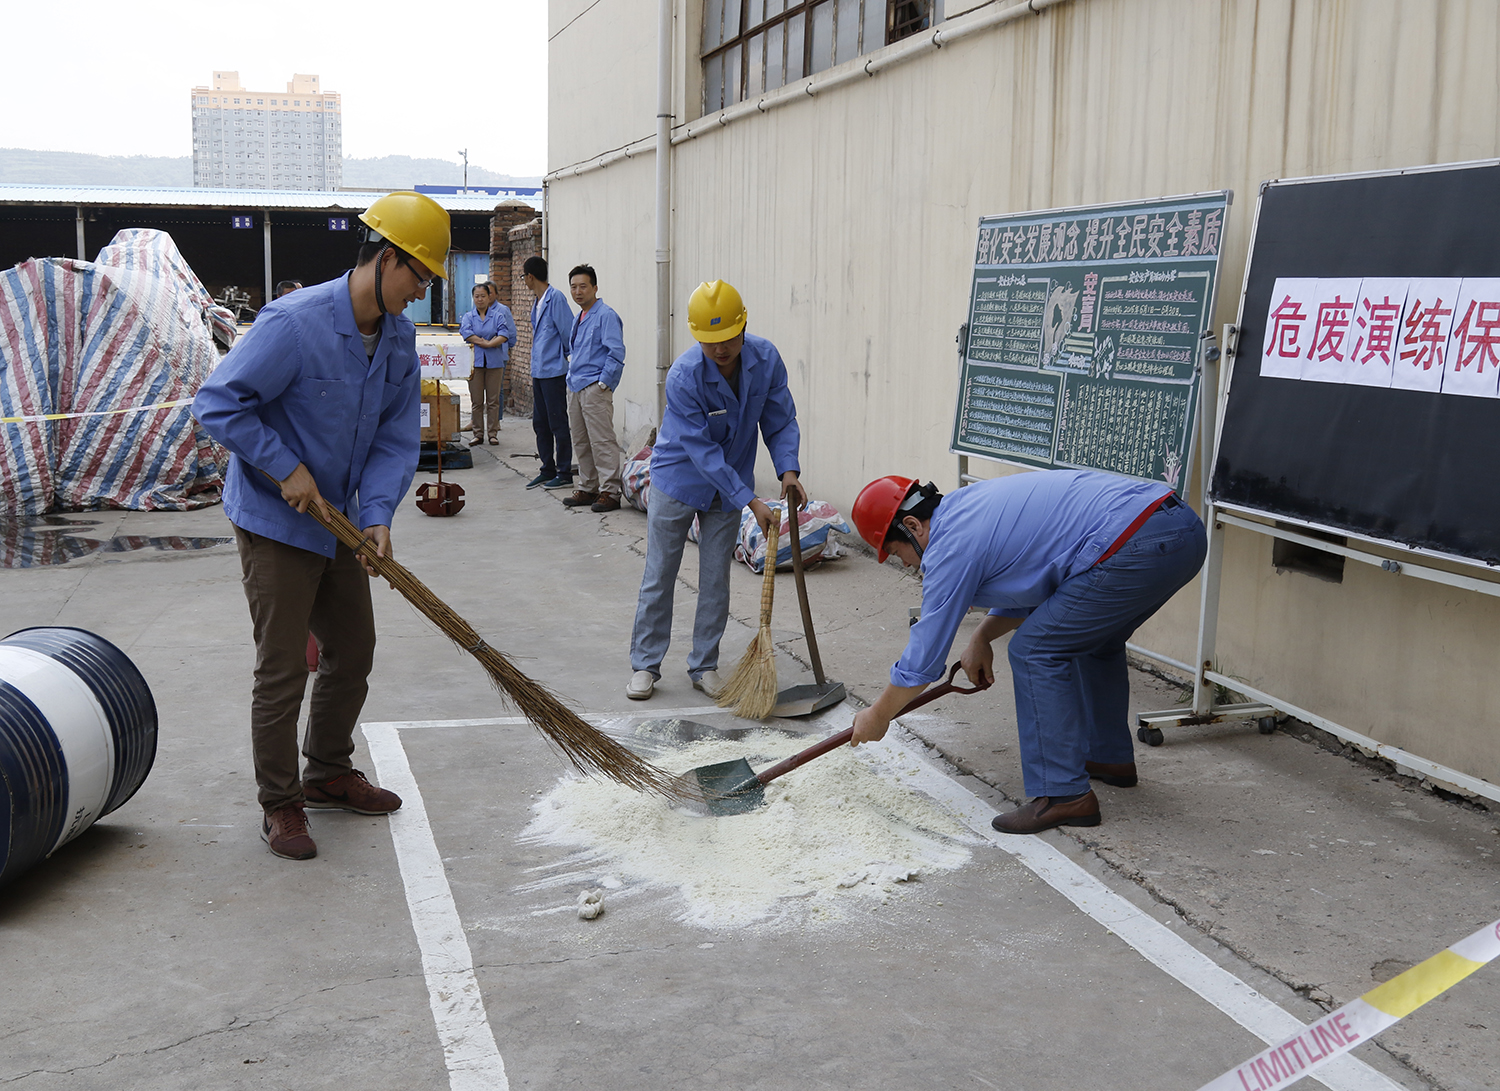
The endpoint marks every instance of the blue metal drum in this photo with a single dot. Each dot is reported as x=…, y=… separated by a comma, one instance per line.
x=77, y=738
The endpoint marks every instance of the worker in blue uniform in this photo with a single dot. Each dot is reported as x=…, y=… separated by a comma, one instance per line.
x=551, y=329
x=703, y=466
x=318, y=406
x=1072, y=562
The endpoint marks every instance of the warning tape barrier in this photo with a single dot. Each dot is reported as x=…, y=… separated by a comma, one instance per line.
x=1359, y=1020
x=96, y=412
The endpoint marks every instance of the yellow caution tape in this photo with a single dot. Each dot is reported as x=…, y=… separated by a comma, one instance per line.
x=96, y=413
x=1360, y=1020
x=1406, y=992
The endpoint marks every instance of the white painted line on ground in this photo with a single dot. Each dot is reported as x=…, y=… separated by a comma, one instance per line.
x=1154, y=941
x=474, y=1062
x=592, y=718
x=469, y=1050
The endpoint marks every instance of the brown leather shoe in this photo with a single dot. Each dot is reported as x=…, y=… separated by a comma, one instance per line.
x=285, y=830
x=580, y=499
x=1042, y=814
x=1120, y=774
x=607, y=501
x=351, y=792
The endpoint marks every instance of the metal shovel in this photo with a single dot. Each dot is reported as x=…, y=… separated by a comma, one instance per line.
x=804, y=700
x=732, y=787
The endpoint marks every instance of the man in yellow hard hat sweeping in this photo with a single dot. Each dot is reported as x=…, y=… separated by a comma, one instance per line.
x=703, y=466
x=318, y=405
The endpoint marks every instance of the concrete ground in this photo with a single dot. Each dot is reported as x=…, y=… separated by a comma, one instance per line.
x=166, y=948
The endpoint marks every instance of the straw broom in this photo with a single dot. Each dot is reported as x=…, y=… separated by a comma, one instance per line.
x=589, y=749
x=752, y=687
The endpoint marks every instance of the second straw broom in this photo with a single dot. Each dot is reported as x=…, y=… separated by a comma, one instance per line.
x=751, y=689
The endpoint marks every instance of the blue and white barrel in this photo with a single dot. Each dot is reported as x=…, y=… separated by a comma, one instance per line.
x=77, y=738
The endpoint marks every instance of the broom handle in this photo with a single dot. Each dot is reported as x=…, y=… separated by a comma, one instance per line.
x=817, y=750
x=807, y=625
x=768, y=585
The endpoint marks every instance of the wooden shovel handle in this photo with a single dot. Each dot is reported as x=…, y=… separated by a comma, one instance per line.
x=817, y=750
x=797, y=570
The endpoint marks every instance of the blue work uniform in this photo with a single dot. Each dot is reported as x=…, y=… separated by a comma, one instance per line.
x=703, y=468
x=706, y=445
x=596, y=348
x=1030, y=545
x=495, y=322
x=298, y=387
x=551, y=323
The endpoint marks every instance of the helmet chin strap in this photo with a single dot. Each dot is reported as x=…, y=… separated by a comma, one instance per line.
x=380, y=261
x=901, y=528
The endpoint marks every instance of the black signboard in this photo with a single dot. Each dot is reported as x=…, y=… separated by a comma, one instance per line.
x=1365, y=393
x=1084, y=336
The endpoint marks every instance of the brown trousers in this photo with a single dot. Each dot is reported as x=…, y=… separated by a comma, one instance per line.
x=292, y=592
x=487, y=398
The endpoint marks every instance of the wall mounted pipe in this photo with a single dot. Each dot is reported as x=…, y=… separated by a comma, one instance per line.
x=663, y=148
x=77, y=738
x=953, y=30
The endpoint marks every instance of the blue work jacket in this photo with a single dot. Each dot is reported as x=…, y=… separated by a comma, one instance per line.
x=299, y=388
x=706, y=445
x=597, y=348
x=494, y=322
x=1006, y=544
x=551, y=323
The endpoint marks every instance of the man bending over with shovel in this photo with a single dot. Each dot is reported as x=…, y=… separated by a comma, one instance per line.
x=1073, y=562
x=703, y=465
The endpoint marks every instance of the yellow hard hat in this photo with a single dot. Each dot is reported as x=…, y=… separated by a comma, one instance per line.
x=715, y=312
x=414, y=222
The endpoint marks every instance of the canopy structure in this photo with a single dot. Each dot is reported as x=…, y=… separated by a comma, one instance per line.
x=99, y=362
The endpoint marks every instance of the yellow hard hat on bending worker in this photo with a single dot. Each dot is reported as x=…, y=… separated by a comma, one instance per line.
x=715, y=312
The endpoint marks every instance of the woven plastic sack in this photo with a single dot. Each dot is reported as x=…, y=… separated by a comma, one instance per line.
x=635, y=479
x=813, y=525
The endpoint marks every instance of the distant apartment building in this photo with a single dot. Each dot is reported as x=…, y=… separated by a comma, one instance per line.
x=290, y=139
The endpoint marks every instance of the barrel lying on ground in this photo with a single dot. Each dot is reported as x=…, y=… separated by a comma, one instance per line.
x=77, y=738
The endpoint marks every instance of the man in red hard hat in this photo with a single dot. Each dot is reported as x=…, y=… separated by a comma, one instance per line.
x=1072, y=562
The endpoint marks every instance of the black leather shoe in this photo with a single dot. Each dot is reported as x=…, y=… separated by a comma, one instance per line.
x=1117, y=774
x=1042, y=814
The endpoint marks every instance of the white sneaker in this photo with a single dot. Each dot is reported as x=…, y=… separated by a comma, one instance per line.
x=710, y=683
x=640, y=686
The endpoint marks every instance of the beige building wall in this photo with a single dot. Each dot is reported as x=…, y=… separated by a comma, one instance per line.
x=848, y=222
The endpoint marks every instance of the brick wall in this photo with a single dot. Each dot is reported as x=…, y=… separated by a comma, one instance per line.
x=524, y=241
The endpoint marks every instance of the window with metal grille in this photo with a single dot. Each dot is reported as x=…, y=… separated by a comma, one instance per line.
x=753, y=46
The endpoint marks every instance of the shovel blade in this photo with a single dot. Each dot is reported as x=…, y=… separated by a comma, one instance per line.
x=807, y=699
x=729, y=787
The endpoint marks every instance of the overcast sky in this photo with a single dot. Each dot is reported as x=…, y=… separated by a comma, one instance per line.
x=420, y=79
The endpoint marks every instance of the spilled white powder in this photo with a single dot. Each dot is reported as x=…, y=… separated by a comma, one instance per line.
x=839, y=827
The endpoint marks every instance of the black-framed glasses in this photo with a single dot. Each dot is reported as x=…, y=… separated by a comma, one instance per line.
x=421, y=284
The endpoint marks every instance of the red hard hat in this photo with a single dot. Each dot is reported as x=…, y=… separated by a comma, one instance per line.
x=875, y=509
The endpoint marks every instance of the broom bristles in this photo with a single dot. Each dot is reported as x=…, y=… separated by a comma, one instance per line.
x=589, y=749
x=751, y=689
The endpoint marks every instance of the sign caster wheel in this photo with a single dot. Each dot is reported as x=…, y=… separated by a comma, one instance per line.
x=1151, y=736
x=1267, y=725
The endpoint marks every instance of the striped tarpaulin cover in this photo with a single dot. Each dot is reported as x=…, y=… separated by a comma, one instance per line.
x=130, y=329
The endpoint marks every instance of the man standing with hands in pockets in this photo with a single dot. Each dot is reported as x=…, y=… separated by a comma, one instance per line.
x=596, y=359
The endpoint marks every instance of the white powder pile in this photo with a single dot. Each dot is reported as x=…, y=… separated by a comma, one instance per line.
x=843, y=825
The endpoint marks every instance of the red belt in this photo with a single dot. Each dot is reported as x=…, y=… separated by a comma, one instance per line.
x=1136, y=525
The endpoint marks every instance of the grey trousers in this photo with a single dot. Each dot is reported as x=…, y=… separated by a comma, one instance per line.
x=292, y=592
x=591, y=419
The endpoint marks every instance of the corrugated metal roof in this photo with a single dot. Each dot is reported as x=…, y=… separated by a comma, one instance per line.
x=251, y=199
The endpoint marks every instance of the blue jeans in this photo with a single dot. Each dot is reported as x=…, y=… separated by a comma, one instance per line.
x=667, y=523
x=549, y=420
x=1068, y=657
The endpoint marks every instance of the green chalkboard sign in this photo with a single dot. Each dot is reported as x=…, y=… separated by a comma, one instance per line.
x=1084, y=332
